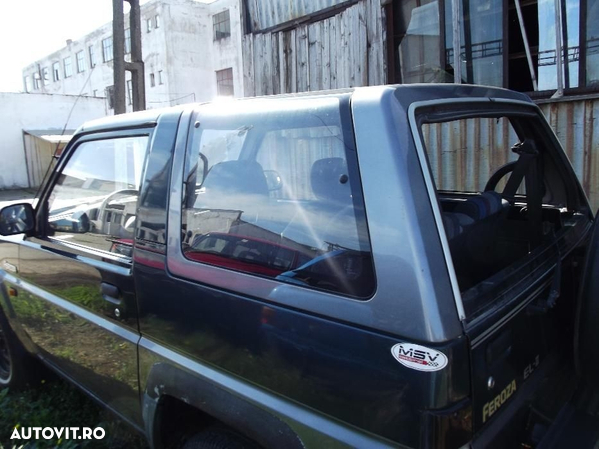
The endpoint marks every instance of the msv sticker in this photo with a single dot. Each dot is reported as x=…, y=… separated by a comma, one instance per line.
x=419, y=357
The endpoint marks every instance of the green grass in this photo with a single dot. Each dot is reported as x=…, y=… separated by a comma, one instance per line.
x=59, y=404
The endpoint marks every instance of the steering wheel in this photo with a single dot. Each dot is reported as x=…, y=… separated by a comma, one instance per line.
x=499, y=174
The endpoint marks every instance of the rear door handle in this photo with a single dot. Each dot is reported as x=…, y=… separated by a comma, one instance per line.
x=111, y=293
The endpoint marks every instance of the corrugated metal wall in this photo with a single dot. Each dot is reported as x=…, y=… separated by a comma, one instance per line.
x=464, y=154
x=345, y=50
x=574, y=122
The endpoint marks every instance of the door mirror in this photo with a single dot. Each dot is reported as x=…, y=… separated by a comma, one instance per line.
x=16, y=219
x=76, y=222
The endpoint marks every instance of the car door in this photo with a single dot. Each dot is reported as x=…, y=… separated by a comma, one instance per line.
x=76, y=298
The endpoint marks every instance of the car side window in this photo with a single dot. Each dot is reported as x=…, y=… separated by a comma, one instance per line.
x=278, y=196
x=502, y=197
x=94, y=201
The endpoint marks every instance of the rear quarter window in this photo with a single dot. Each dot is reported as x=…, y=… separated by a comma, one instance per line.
x=276, y=194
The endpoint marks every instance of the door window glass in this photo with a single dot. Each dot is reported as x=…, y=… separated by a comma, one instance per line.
x=94, y=200
x=276, y=194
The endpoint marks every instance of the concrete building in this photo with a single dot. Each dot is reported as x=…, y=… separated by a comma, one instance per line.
x=191, y=51
x=31, y=126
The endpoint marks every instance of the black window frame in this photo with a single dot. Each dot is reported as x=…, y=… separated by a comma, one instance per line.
x=45, y=76
x=107, y=50
x=68, y=68
x=92, y=56
x=221, y=25
x=80, y=59
x=56, y=71
x=225, y=85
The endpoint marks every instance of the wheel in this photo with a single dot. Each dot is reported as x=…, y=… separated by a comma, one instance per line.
x=218, y=438
x=17, y=368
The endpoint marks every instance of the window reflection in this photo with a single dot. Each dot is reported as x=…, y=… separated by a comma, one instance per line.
x=547, y=44
x=426, y=52
x=592, y=25
x=420, y=47
x=273, y=195
x=94, y=201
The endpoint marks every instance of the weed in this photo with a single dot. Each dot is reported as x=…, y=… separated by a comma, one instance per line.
x=58, y=404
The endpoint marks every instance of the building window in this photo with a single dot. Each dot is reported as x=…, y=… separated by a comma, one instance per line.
x=68, y=67
x=129, y=92
x=36, y=81
x=80, y=61
x=128, y=41
x=107, y=49
x=160, y=80
x=222, y=25
x=149, y=25
x=92, y=56
x=152, y=80
x=498, y=46
x=224, y=83
x=425, y=42
x=592, y=42
x=27, y=84
x=157, y=21
x=56, y=71
x=45, y=76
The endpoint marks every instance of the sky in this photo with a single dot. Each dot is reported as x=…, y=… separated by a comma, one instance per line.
x=32, y=29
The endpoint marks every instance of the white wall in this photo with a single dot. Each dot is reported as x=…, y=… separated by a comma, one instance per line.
x=88, y=82
x=226, y=53
x=36, y=111
x=182, y=48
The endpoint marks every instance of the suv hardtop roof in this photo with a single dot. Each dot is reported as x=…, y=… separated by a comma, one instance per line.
x=406, y=93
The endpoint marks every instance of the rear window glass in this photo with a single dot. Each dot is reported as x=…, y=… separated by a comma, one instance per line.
x=502, y=198
x=276, y=193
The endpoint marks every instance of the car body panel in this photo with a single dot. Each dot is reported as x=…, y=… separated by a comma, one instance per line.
x=313, y=367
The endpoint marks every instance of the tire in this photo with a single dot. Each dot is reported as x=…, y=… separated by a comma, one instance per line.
x=17, y=368
x=217, y=438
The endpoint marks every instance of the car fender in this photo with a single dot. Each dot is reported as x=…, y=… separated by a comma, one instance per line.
x=249, y=419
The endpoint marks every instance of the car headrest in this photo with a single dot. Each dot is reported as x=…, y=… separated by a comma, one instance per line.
x=245, y=177
x=329, y=179
x=482, y=206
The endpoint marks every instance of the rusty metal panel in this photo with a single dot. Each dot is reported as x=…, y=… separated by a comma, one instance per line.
x=265, y=14
x=463, y=154
x=574, y=122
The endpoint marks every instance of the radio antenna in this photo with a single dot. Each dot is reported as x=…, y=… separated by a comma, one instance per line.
x=64, y=130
